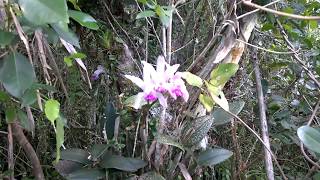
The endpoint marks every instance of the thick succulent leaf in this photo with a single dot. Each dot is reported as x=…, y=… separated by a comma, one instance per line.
x=86, y=174
x=310, y=137
x=164, y=139
x=76, y=155
x=122, y=163
x=41, y=12
x=213, y=156
x=221, y=117
x=16, y=74
x=196, y=130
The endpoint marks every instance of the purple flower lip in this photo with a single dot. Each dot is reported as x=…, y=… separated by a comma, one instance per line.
x=177, y=92
x=150, y=97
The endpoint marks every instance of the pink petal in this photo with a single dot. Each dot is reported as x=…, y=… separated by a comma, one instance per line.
x=137, y=81
x=171, y=70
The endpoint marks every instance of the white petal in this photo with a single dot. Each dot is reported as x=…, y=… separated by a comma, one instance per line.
x=161, y=63
x=136, y=80
x=162, y=100
x=171, y=70
x=148, y=71
x=138, y=101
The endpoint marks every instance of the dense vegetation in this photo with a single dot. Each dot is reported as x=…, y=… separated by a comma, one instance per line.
x=167, y=89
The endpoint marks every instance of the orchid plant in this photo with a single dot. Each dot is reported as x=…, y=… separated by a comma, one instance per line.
x=159, y=83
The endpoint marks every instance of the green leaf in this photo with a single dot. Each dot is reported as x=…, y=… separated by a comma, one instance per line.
x=4, y=96
x=122, y=163
x=24, y=121
x=196, y=130
x=85, y=174
x=145, y=14
x=151, y=176
x=6, y=38
x=29, y=97
x=59, y=137
x=130, y=101
x=52, y=110
x=220, y=75
x=192, y=79
x=313, y=24
x=221, y=117
x=107, y=121
x=65, y=33
x=76, y=155
x=68, y=60
x=98, y=150
x=164, y=139
x=213, y=156
x=84, y=19
x=11, y=114
x=41, y=12
x=16, y=74
x=207, y=102
x=310, y=138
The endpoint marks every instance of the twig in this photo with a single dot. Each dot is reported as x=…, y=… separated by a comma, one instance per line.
x=264, y=49
x=3, y=132
x=256, y=10
x=10, y=153
x=29, y=151
x=263, y=120
x=248, y=3
x=259, y=138
x=315, y=110
x=295, y=55
x=169, y=38
x=136, y=137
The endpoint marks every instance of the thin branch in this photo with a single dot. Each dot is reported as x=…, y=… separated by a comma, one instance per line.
x=264, y=49
x=10, y=153
x=296, y=55
x=29, y=151
x=248, y=3
x=256, y=10
x=263, y=120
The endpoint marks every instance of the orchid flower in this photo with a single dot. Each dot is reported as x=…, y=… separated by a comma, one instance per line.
x=96, y=73
x=156, y=83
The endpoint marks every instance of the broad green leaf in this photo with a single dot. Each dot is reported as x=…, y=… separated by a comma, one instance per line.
x=68, y=60
x=29, y=97
x=59, y=137
x=41, y=12
x=86, y=174
x=220, y=75
x=143, y=1
x=207, y=102
x=24, y=121
x=52, y=110
x=151, y=176
x=160, y=12
x=310, y=138
x=6, y=38
x=164, y=139
x=192, y=79
x=65, y=33
x=194, y=131
x=11, y=114
x=213, y=156
x=221, y=117
x=98, y=150
x=84, y=19
x=16, y=74
x=146, y=13
x=76, y=155
x=122, y=163
x=43, y=86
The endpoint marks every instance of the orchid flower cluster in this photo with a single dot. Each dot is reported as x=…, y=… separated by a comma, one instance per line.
x=158, y=83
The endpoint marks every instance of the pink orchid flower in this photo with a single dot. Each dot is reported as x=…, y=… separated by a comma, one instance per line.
x=157, y=82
